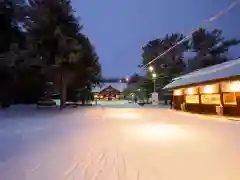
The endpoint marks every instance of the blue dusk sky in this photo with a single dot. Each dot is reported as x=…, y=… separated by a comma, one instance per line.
x=120, y=28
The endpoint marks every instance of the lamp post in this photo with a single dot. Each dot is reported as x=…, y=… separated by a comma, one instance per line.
x=154, y=75
x=126, y=81
x=133, y=95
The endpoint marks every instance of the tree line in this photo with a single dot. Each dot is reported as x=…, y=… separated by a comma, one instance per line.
x=42, y=49
x=205, y=48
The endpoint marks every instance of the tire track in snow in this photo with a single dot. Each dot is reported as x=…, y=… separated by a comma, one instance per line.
x=138, y=175
x=71, y=170
x=101, y=159
x=115, y=168
x=124, y=164
x=32, y=170
x=91, y=166
x=121, y=160
x=85, y=170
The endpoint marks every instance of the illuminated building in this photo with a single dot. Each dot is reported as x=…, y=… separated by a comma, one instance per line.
x=212, y=89
x=109, y=91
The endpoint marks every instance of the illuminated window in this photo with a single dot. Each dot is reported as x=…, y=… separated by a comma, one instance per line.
x=210, y=99
x=177, y=92
x=229, y=98
x=235, y=86
x=191, y=91
x=192, y=99
x=228, y=86
x=209, y=89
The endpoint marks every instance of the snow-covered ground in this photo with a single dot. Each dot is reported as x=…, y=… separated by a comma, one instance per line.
x=109, y=142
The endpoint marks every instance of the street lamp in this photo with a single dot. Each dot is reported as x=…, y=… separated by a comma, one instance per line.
x=133, y=95
x=154, y=75
x=151, y=68
x=126, y=81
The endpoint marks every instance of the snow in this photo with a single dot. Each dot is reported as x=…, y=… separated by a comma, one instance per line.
x=116, y=141
x=223, y=70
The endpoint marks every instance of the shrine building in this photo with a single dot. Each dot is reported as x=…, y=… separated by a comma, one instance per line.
x=214, y=89
x=109, y=91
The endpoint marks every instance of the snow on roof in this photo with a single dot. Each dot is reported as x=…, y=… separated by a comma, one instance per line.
x=119, y=86
x=219, y=71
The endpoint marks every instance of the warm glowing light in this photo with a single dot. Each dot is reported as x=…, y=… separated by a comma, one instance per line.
x=192, y=99
x=151, y=68
x=154, y=75
x=96, y=96
x=159, y=132
x=190, y=91
x=126, y=116
x=208, y=89
x=177, y=92
x=235, y=86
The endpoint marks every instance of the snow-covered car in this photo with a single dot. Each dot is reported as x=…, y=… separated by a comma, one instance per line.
x=129, y=101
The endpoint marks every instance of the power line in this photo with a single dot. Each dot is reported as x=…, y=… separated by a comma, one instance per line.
x=210, y=20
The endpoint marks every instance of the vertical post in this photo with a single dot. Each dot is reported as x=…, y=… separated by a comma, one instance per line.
x=221, y=94
x=220, y=108
x=154, y=85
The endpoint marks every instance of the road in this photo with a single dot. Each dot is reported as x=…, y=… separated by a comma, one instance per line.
x=116, y=141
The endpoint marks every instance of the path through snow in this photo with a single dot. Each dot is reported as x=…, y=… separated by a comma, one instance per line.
x=126, y=142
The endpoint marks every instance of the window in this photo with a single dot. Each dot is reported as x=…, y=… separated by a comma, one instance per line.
x=209, y=89
x=230, y=86
x=229, y=99
x=178, y=92
x=192, y=99
x=210, y=99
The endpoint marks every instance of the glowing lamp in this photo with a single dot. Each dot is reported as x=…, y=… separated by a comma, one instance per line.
x=154, y=75
x=208, y=89
x=189, y=91
x=235, y=86
x=151, y=68
x=177, y=92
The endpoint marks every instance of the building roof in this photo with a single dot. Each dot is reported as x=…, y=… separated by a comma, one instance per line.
x=220, y=71
x=109, y=88
x=118, y=86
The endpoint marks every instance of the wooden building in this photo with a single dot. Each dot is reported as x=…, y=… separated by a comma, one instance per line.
x=214, y=89
x=109, y=91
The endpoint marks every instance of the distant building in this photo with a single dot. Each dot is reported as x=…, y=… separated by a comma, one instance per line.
x=110, y=91
x=212, y=89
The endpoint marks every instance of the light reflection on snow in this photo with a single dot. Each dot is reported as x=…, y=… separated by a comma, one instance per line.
x=155, y=132
x=126, y=115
